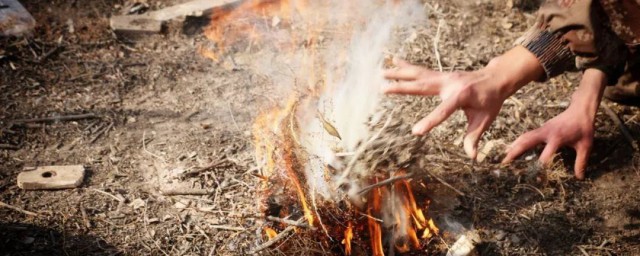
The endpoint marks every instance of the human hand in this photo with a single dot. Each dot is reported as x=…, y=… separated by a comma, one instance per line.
x=480, y=94
x=573, y=127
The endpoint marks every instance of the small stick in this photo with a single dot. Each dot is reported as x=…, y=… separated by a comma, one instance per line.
x=276, y=238
x=623, y=128
x=56, y=118
x=84, y=216
x=48, y=54
x=445, y=183
x=9, y=147
x=187, y=191
x=206, y=168
x=109, y=195
x=103, y=131
x=290, y=222
x=385, y=182
x=18, y=209
x=435, y=45
x=224, y=227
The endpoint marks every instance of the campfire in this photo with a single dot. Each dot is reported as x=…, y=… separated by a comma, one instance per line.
x=317, y=179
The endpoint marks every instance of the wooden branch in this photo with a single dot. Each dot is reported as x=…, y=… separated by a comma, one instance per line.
x=277, y=238
x=18, y=209
x=385, y=182
x=56, y=119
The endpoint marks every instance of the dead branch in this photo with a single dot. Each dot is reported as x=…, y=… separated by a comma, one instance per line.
x=56, y=119
x=18, y=209
x=385, y=182
x=623, y=128
x=290, y=222
x=277, y=238
x=186, y=191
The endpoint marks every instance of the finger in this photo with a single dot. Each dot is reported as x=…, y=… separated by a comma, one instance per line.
x=522, y=144
x=413, y=87
x=409, y=72
x=401, y=63
x=436, y=117
x=582, y=158
x=549, y=151
x=477, y=126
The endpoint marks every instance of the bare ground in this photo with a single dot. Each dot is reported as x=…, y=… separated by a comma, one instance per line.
x=164, y=110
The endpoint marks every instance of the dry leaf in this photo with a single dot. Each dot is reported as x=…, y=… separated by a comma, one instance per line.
x=328, y=126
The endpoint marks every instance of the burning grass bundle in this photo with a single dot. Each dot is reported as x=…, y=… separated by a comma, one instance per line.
x=334, y=167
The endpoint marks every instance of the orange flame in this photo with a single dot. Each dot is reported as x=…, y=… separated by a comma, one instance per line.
x=348, y=235
x=247, y=22
x=375, y=230
x=271, y=233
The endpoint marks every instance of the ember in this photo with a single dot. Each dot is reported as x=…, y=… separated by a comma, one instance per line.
x=310, y=148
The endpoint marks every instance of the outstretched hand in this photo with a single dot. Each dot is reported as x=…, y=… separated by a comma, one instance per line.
x=476, y=93
x=573, y=127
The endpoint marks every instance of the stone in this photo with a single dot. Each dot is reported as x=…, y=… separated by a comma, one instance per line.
x=51, y=177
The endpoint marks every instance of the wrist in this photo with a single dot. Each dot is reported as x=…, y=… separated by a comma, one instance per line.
x=588, y=95
x=513, y=70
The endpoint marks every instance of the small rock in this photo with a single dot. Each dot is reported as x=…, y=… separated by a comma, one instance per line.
x=28, y=240
x=515, y=240
x=500, y=235
x=137, y=203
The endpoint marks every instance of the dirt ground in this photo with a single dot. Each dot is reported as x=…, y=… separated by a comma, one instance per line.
x=164, y=111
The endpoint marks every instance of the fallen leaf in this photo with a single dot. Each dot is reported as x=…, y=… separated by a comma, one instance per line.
x=328, y=126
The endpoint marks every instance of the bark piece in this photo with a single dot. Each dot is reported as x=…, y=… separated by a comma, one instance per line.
x=52, y=177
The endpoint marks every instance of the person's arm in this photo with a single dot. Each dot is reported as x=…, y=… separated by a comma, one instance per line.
x=479, y=94
x=573, y=127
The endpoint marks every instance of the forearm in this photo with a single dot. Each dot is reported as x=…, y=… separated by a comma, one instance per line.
x=589, y=94
x=514, y=69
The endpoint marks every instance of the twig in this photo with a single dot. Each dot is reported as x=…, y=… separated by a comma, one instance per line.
x=144, y=147
x=48, y=54
x=56, y=119
x=435, y=45
x=276, y=238
x=103, y=131
x=206, y=168
x=623, y=128
x=364, y=147
x=187, y=191
x=224, y=227
x=18, y=209
x=85, y=220
x=290, y=222
x=9, y=147
x=385, y=182
x=583, y=251
x=109, y=195
x=445, y=183
x=233, y=118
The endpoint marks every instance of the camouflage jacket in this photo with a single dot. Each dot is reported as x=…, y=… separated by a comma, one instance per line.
x=566, y=33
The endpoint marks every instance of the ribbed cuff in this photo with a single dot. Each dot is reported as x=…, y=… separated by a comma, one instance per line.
x=554, y=56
